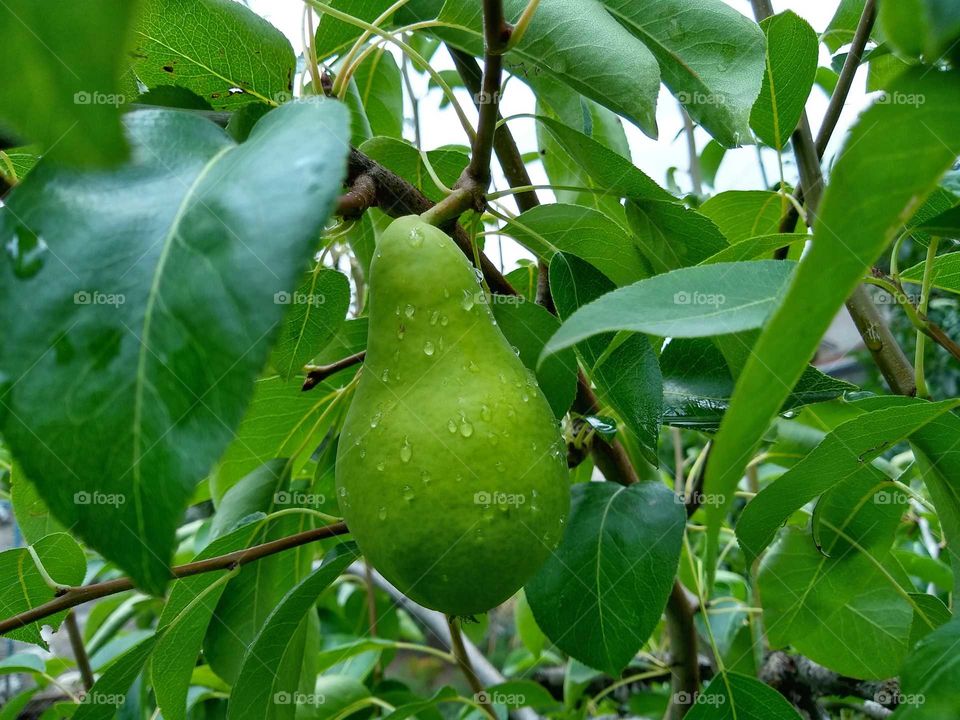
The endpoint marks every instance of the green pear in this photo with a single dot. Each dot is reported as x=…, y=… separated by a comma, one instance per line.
x=451, y=468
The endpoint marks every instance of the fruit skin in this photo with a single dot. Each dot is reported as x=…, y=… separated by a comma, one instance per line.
x=451, y=469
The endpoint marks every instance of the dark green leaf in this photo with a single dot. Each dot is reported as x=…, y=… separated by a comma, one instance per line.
x=404, y=159
x=672, y=236
x=929, y=677
x=156, y=351
x=731, y=696
x=33, y=515
x=110, y=690
x=744, y=214
x=335, y=37
x=601, y=594
x=380, y=88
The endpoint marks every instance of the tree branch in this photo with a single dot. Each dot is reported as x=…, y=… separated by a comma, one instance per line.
x=361, y=196
x=684, y=663
x=79, y=595
x=463, y=660
x=79, y=651
x=318, y=373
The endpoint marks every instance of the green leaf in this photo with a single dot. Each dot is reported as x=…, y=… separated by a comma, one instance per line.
x=743, y=214
x=110, y=690
x=607, y=64
x=933, y=614
x=601, y=594
x=581, y=231
x=929, y=677
x=690, y=302
x=514, y=694
x=219, y=49
x=444, y=694
x=15, y=163
x=711, y=58
x=945, y=274
x=404, y=159
x=844, y=453
x=893, y=160
x=672, y=236
x=526, y=626
x=184, y=622
x=841, y=602
x=22, y=586
x=317, y=310
x=33, y=515
x=842, y=27
x=66, y=92
x=731, y=696
x=281, y=421
x=611, y=171
x=629, y=380
x=253, y=594
x=381, y=92
x=697, y=385
x=527, y=326
x=22, y=663
x=573, y=284
x=756, y=247
x=792, y=54
x=335, y=37
x=254, y=692
x=156, y=351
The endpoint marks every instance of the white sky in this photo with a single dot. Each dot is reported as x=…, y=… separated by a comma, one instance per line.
x=740, y=168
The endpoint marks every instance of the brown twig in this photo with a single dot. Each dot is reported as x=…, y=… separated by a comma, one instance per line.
x=361, y=196
x=79, y=595
x=79, y=650
x=318, y=373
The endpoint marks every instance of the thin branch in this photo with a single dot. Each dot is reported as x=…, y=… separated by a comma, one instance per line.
x=463, y=660
x=684, y=663
x=79, y=650
x=318, y=373
x=79, y=595
x=361, y=196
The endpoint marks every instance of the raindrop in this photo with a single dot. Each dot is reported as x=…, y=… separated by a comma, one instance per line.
x=385, y=375
x=466, y=429
x=485, y=412
x=27, y=251
x=443, y=321
x=452, y=425
x=408, y=493
x=468, y=301
x=401, y=331
x=516, y=350
x=406, y=452
x=493, y=438
x=383, y=513
x=425, y=477
x=381, y=465
x=434, y=316
x=397, y=311
x=416, y=237
x=375, y=420
x=410, y=311
x=525, y=396
x=500, y=466
x=428, y=348
x=446, y=293
x=473, y=367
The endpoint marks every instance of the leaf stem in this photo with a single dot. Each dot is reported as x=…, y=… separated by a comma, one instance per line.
x=921, y=380
x=460, y=653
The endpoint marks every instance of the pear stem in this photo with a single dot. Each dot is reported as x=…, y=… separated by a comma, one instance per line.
x=463, y=660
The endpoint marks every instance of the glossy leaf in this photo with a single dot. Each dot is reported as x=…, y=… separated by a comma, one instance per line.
x=335, y=37
x=573, y=284
x=219, y=49
x=792, y=54
x=731, y=696
x=601, y=594
x=690, y=302
x=254, y=692
x=711, y=57
x=893, y=159
x=843, y=454
x=945, y=275
x=929, y=677
x=22, y=586
x=580, y=231
x=697, y=385
x=317, y=309
x=33, y=515
x=756, y=247
x=380, y=87
x=66, y=92
x=607, y=65
x=157, y=351
x=404, y=159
